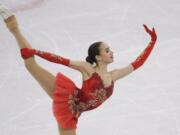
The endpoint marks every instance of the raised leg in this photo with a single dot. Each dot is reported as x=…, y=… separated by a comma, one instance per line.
x=44, y=78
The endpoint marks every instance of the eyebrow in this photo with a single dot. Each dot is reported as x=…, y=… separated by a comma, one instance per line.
x=106, y=48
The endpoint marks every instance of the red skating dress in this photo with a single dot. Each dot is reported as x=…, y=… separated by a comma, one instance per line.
x=69, y=101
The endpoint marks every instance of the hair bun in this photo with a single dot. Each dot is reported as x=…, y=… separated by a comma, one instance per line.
x=88, y=59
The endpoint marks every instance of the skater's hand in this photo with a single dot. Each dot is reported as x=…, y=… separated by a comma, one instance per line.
x=152, y=33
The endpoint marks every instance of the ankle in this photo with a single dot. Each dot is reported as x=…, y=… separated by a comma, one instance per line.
x=11, y=23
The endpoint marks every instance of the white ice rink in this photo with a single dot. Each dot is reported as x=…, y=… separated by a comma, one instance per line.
x=146, y=102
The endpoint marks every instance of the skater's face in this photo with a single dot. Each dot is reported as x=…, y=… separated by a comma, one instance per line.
x=105, y=53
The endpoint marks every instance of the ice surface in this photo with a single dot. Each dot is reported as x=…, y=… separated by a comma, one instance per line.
x=146, y=102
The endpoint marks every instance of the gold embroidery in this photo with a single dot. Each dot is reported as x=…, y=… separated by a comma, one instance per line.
x=76, y=106
x=59, y=58
x=93, y=102
x=100, y=94
x=73, y=106
x=90, y=103
x=84, y=106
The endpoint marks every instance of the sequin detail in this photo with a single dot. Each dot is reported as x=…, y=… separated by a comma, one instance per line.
x=59, y=58
x=76, y=106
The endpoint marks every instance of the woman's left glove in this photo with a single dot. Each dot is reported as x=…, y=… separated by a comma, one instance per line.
x=139, y=61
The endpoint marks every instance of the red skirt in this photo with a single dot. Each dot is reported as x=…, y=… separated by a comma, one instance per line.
x=64, y=87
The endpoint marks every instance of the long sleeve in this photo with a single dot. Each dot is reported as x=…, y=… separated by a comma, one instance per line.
x=139, y=61
x=29, y=52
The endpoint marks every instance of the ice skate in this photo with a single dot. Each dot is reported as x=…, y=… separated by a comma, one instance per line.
x=8, y=17
x=5, y=12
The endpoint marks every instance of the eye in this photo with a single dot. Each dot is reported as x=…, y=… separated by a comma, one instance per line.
x=107, y=50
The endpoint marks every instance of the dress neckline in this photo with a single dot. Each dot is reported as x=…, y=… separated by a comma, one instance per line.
x=96, y=74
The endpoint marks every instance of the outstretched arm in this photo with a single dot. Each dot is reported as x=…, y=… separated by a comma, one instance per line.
x=144, y=55
x=30, y=52
x=139, y=61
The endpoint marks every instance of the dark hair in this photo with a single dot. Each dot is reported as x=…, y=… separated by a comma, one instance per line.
x=93, y=51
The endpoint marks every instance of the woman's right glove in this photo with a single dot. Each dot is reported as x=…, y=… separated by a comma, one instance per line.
x=29, y=52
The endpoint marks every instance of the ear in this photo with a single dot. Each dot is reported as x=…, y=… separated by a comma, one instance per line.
x=98, y=57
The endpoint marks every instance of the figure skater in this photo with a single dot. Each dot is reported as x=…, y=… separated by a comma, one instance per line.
x=69, y=101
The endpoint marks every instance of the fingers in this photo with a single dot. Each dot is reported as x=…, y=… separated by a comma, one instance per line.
x=148, y=30
x=153, y=32
x=154, y=36
x=145, y=27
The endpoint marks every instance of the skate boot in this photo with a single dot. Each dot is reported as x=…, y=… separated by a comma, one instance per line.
x=5, y=12
x=8, y=17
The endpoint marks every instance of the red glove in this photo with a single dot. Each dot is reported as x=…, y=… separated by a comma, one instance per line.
x=29, y=52
x=144, y=55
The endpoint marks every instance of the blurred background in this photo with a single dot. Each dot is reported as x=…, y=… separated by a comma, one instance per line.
x=144, y=102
